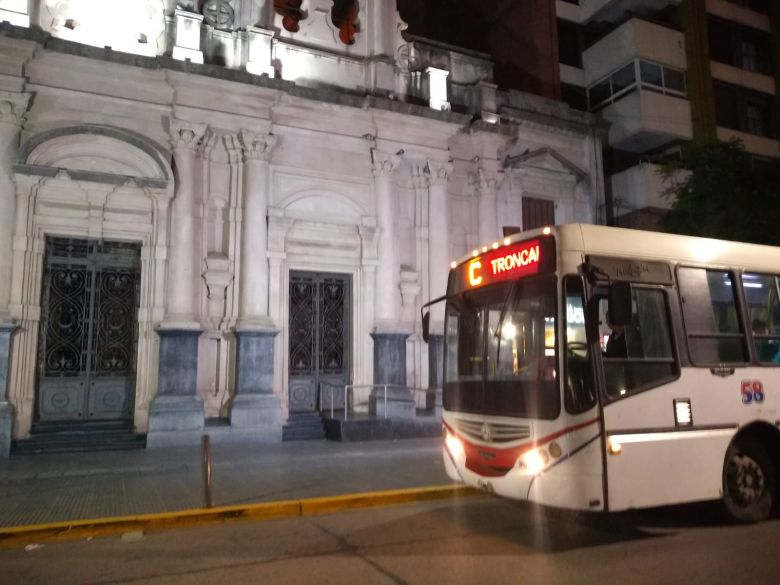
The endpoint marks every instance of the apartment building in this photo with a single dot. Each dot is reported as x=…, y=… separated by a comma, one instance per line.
x=664, y=73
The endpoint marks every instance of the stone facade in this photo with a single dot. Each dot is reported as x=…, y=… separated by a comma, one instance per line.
x=284, y=151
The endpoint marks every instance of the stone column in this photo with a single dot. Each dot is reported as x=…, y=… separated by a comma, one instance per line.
x=255, y=411
x=487, y=186
x=389, y=337
x=12, y=108
x=176, y=413
x=438, y=268
x=184, y=259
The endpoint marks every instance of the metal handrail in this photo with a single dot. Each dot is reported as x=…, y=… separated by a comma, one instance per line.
x=348, y=387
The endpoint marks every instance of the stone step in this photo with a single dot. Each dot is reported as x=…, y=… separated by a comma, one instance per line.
x=78, y=442
x=302, y=426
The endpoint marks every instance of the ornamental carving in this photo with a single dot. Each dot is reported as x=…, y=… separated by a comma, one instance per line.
x=486, y=182
x=13, y=107
x=383, y=165
x=187, y=135
x=439, y=172
x=257, y=146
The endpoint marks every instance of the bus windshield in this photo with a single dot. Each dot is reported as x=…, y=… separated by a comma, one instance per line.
x=500, y=350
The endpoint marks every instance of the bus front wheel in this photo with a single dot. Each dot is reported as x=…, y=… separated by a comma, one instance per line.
x=748, y=482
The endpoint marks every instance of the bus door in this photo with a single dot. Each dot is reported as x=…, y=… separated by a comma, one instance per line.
x=654, y=453
x=576, y=478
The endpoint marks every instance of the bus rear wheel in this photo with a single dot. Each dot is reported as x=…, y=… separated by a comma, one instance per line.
x=748, y=482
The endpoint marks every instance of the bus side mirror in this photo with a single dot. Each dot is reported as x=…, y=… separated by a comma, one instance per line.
x=620, y=303
x=426, y=325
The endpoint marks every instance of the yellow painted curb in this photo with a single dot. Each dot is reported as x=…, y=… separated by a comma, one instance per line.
x=80, y=529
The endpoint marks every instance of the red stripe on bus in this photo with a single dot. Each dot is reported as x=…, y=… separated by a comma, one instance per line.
x=493, y=462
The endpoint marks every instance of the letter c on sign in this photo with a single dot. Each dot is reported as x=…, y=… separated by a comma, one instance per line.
x=475, y=279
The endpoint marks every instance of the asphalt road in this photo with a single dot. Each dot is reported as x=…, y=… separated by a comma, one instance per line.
x=475, y=540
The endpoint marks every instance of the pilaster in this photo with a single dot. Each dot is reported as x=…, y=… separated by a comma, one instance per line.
x=438, y=235
x=183, y=263
x=12, y=109
x=487, y=182
x=388, y=299
x=253, y=303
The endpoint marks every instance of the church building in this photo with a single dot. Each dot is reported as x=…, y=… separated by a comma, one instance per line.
x=216, y=215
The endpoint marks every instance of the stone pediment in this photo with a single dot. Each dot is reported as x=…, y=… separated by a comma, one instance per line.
x=95, y=153
x=546, y=160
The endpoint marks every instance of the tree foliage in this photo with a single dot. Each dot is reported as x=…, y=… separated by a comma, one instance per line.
x=720, y=193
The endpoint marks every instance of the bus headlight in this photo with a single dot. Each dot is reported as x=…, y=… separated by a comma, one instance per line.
x=454, y=445
x=534, y=460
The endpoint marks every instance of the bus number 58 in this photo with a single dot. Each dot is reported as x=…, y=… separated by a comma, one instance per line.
x=752, y=391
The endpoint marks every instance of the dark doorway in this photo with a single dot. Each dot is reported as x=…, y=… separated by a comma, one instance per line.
x=89, y=330
x=319, y=339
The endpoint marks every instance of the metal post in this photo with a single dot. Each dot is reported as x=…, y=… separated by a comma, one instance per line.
x=206, y=449
x=345, y=401
x=385, y=400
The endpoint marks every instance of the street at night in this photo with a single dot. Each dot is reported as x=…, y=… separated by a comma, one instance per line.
x=474, y=540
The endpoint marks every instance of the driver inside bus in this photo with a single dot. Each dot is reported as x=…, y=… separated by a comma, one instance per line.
x=616, y=344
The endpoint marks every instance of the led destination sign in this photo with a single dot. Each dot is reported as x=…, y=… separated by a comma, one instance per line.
x=506, y=263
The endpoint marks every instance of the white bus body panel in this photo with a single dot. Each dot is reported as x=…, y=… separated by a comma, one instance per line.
x=661, y=463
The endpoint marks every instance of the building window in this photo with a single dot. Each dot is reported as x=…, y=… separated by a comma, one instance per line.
x=570, y=44
x=761, y=6
x=745, y=110
x=653, y=76
x=739, y=46
x=537, y=213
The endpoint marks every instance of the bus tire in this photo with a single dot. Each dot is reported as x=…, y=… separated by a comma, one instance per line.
x=748, y=482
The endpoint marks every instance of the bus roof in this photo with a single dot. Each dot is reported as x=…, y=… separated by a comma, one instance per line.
x=630, y=243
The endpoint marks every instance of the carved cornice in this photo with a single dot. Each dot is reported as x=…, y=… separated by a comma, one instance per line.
x=13, y=106
x=187, y=135
x=257, y=146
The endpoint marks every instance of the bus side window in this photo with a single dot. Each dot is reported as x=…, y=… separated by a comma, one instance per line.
x=579, y=389
x=761, y=294
x=639, y=355
x=712, y=324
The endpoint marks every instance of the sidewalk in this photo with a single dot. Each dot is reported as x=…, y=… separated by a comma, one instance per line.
x=40, y=489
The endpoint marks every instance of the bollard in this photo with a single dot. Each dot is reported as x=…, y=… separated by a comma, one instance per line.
x=206, y=449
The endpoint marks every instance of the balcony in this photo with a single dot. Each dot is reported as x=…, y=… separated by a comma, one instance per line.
x=644, y=120
x=636, y=78
x=614, y=10
x=634, y=39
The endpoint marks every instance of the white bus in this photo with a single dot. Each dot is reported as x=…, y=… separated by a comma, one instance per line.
x=605, y=369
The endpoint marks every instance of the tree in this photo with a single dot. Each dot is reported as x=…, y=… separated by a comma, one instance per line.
x=719, y=192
